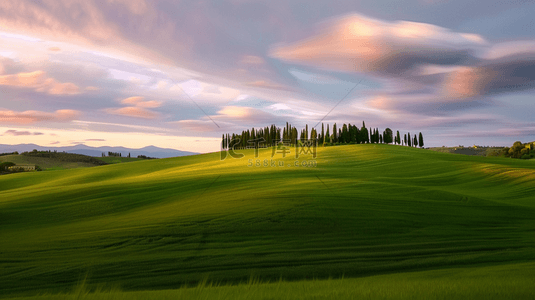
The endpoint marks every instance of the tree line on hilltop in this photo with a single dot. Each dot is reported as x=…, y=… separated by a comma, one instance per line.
x=63, y=156
x=518, y=150
x=118, y=154
x=346, y=134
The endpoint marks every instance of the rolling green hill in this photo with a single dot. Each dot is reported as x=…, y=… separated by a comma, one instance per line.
x=116, y=159
x=363, y=210
x=44, y=162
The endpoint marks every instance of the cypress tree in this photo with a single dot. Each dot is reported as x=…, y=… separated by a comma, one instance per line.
x=335, y=139
x=388, y=136
x=344, y=138
x=322, y=141
x=328, y=136
x=421, y=140
x=365, y=138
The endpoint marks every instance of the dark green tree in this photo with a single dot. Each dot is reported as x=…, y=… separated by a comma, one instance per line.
x=328, y=136
x=335, y=138
x=421, y=140
x=388, y=136
x=344, y=138
x=322, y=139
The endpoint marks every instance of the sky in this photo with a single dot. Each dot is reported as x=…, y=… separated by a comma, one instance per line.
x=179, y=74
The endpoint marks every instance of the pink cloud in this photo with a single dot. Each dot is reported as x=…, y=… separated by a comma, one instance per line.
x=140, y=102
x=244, y=115
x=196, y=125
x=228, y=118
x=32, y=116
x=137, y=7
x=88, y=23
x=267, y=85
x=38, y=81
x=506, y=72
x=92, y=88
x=362, y=44
x=28, y=17
x=467, y=82
x=133, y=111
x=132, y=100
x=149, y=104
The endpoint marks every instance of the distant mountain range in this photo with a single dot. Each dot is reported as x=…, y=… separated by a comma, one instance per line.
x=150, y=151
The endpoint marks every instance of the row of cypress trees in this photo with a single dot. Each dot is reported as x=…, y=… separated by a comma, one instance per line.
x=347, y=134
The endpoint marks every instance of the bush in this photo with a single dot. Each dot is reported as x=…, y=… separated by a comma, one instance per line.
x=5, y=166
x=494, y=153
x=145, y=157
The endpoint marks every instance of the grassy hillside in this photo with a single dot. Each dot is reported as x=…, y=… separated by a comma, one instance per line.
x=44, y=162
x=363, y=210
x=512, y=281
x=479, y=151
x=116, y=160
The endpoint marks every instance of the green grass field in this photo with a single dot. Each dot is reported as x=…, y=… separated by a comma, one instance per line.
x=364, y=210
x=479, y=151
x=116, y=160
x=512, y=281
x=45, y=163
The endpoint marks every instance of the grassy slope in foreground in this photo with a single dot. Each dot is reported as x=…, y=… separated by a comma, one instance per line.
x=513, y=281
x=364, y=210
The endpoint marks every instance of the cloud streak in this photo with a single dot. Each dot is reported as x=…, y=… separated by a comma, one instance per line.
x=20, y=132
x=356, y=43
x=39, y=82
x=32, y=116
x=133, y=111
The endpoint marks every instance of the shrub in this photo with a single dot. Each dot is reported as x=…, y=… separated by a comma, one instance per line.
x=5, y=165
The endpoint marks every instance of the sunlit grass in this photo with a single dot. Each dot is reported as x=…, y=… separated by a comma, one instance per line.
x=496, y=282
x=362, y=210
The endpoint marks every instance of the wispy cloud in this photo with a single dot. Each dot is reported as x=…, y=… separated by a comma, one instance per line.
x=19, y=133
x=32, y=116
x=40, y=82
x=137, y=108
x=133, y=111
x=356, y=43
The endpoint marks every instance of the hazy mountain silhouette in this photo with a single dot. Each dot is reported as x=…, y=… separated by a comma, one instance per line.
x=151, y=151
